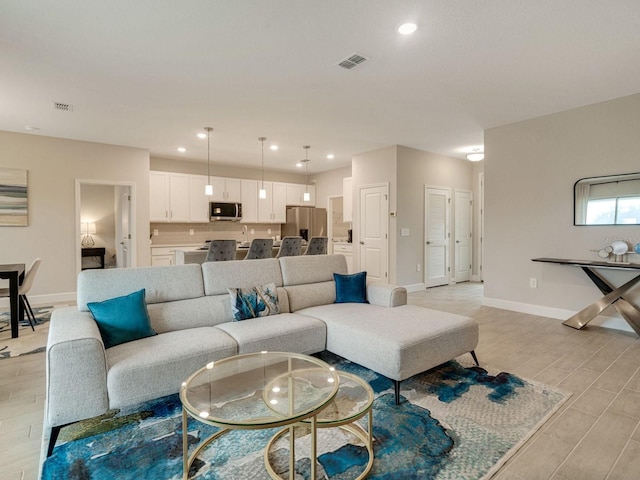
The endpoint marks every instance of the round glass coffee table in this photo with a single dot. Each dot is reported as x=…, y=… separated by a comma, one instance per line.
x=353, y=401
x=257, y=391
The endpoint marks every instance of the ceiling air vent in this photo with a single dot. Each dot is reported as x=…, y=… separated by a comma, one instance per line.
x=65, y=107
x=352, y=61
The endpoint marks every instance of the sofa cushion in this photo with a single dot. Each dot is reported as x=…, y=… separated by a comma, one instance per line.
x=304, y=296
x=122, y=319
x=351, y=288
x=396, y=342
x=161, y=284
x=306, y=269
x=286, y=332
x=156, y=366
x=218, y=276
x=259, y=301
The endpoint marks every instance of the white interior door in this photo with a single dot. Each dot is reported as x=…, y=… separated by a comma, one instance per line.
x=374, y=238
x=437, y=236
x=463, y=234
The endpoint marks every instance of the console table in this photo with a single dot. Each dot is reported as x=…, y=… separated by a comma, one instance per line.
x=94, y=252
x=612, y=295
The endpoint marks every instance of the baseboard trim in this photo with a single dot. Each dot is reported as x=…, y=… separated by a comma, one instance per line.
x=416, y=287
x=615, y=323
x=45, y=299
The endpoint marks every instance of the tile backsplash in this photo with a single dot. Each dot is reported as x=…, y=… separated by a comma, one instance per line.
x=179, y=233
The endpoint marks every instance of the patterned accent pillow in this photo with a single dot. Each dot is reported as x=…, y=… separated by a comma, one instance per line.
x=254, y=302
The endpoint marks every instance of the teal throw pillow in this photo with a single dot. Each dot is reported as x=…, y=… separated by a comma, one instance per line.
x=122, y=319
x=253, y=302
x=351, y=288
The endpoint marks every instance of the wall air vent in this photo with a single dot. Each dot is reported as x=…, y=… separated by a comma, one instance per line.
x=352, y=61
x=65, y=107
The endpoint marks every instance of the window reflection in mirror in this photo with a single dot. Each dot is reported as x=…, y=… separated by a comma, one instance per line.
x=611, y=200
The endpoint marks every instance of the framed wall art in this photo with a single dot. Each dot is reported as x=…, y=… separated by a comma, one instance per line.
x=13, y=197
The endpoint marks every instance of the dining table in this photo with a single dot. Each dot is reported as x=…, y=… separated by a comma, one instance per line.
x=14, y=272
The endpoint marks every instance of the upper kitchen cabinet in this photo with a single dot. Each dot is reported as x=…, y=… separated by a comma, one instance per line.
x=273, y=209
x=295, y=195
x=226, y=189
x=169, y=197
x=347, y=199
x=249, y=202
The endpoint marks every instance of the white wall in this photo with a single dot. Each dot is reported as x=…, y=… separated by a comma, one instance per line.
x=53, y=165
x=530, y=170
x=329, y=184
x=417, y=168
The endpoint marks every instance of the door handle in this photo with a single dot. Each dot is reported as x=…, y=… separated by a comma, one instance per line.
x=428, y=243
x=457, y=241
x=361, y=242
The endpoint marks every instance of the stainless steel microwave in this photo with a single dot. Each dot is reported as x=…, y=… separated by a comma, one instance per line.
x=221, y=211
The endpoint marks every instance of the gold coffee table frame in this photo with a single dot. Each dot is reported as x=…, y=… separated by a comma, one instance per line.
x=210, y=393
x=333, y=415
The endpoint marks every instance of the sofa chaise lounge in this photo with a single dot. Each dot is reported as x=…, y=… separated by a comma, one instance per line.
x=190, y=310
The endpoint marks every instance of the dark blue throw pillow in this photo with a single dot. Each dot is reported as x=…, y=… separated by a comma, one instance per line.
x=351, y=288
x=122, y=319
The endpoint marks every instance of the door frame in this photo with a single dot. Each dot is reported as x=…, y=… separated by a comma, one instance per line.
x=133, y=249
x=455, y=233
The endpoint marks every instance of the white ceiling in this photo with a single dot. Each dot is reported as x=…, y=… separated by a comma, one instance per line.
x=152, y=73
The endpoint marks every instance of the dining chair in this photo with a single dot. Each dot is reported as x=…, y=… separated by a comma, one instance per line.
x=221, y=250
x=23, y=289
x=260, y=248
x=290, y=247
x=317, y=246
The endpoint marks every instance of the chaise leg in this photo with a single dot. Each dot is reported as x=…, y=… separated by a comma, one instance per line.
x=475, y=359
x=396, y=388
x=55, y=431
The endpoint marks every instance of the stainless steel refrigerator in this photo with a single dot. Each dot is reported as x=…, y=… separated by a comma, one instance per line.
x=306, y=222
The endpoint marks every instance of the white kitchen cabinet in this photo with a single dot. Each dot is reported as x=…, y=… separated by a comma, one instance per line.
x=226, y=189
x=198, y=201
x=347, y=199
x=169, y=197
x=273, y=209
x=295, y=195
x=345, y=249
x=249, y=200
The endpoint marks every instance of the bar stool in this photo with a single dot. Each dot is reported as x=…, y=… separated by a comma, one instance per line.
x=221, y=250
x=260, y=248
x=290, y=247
x=317, y=246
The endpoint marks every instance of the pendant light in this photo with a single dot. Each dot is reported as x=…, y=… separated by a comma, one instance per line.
x=208, y=189
x=262, y=193
x=306, y=197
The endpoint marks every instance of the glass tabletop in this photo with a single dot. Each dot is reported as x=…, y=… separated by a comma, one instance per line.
x=259, y=390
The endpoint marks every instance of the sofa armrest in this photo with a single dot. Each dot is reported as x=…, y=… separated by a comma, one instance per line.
x=76, y=368
x=385, y=295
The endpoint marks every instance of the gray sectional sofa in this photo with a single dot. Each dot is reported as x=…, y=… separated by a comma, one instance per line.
x=190, y=309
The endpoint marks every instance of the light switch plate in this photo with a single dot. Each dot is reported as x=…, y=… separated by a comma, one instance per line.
x=404, y=232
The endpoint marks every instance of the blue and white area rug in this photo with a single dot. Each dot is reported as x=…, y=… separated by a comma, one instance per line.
x=28, y=341
x=454, y=422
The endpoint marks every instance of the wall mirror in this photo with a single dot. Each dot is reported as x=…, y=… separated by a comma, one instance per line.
x=610, y=200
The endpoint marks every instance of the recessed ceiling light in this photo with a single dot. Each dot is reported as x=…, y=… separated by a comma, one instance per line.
x=407, y=28
x=182, y=149
x=274, y=147
x=331, y=156
x=202, y=135
x=298, y=164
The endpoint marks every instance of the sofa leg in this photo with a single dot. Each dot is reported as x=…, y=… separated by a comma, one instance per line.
x=475, y=359
x=396, y=388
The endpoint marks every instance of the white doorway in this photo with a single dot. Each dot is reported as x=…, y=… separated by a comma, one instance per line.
x=110, y=206
x=437, y=208
x=374, y=231
x=463, y=235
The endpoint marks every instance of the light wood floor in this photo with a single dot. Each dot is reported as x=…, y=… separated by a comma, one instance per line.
x=596, y=435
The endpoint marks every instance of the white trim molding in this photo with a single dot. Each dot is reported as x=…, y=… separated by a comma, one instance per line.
x=615, y=323
x=416, y=287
